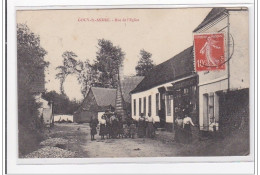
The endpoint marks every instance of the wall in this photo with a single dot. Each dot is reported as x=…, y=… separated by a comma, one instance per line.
x=239, y=63
x=152, y=92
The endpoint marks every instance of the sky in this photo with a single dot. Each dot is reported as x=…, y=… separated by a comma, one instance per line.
x=162, y=32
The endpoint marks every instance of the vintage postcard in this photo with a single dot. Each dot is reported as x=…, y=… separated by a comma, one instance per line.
x=124, y=83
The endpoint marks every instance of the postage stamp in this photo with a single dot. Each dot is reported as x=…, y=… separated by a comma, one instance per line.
x=209, y=51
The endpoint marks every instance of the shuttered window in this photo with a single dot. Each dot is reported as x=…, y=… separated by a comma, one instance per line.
x=150, y=105
x=134, y=107
x=168, y=105
x=140, y=106
x=144, y=105
x=157, y=104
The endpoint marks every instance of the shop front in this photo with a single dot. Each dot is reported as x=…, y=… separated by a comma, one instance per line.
x=185, y=98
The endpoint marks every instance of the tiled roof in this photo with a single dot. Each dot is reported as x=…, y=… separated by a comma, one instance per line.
x=213, y=14
x=177, y=67
x=128, y=84
x=104, y=96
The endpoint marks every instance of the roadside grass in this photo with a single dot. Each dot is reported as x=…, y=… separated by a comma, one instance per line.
x=76, y=137
x=235, y=144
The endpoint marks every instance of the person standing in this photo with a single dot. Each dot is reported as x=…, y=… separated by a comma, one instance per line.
x=102, y=131
x=132, y=129
x=141, y=126
x=114, y=124
x=150, y=127
x=178, y=129
x=187, y=122
x=108, y=127
x=120, y=126
x=93, y=127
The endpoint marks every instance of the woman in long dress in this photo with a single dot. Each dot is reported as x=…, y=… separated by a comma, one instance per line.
x=141, y=126
x=178, y=129
x=108, y=127
x=120, y=127
x=150, y=127
x=102, y=131
x=132, y=129
x=93, y=127
x=187, y=122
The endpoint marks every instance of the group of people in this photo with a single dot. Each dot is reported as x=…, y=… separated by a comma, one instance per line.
x=145, y=126
x=183, y=132
x=111, y=125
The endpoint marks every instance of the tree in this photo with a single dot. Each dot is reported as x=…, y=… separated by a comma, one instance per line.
x=108, y=60
x=30, y=69
x=70, y=66
x=61, y=103
x=145, y=64
x=87, y=76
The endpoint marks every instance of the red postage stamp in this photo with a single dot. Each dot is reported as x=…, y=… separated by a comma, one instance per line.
x=209, y=51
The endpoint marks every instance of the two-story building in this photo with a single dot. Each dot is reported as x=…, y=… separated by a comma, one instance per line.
x=223, y=87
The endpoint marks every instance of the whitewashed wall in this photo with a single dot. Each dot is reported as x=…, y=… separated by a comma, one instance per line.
x=152, y=92
x=239, y=63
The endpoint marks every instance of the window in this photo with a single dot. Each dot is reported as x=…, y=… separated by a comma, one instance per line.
x=150, y=105
x=140, y=106
x=157, y=104
x=168, y=104
x=134, y=107
x=144, y=105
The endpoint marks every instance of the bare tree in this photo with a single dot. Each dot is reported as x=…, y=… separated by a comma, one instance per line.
x=69, y=67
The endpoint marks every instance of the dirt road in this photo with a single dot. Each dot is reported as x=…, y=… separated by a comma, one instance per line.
x=126, y=147
x=73, y=140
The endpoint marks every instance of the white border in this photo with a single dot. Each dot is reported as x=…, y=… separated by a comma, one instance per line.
x=88, y=165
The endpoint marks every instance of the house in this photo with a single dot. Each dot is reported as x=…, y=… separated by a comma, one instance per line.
x=167, y=90
x=45, y=111
x=98, y=99
x=224, y=92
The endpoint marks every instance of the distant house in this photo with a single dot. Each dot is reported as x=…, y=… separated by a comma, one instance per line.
x=167, y=90
x=98, y=100
x=45, y=110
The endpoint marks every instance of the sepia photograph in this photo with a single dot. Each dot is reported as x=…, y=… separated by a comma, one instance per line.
x=133, y=82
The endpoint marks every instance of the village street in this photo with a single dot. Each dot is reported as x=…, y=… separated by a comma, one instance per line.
x=79, y=142
x=71, y=140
